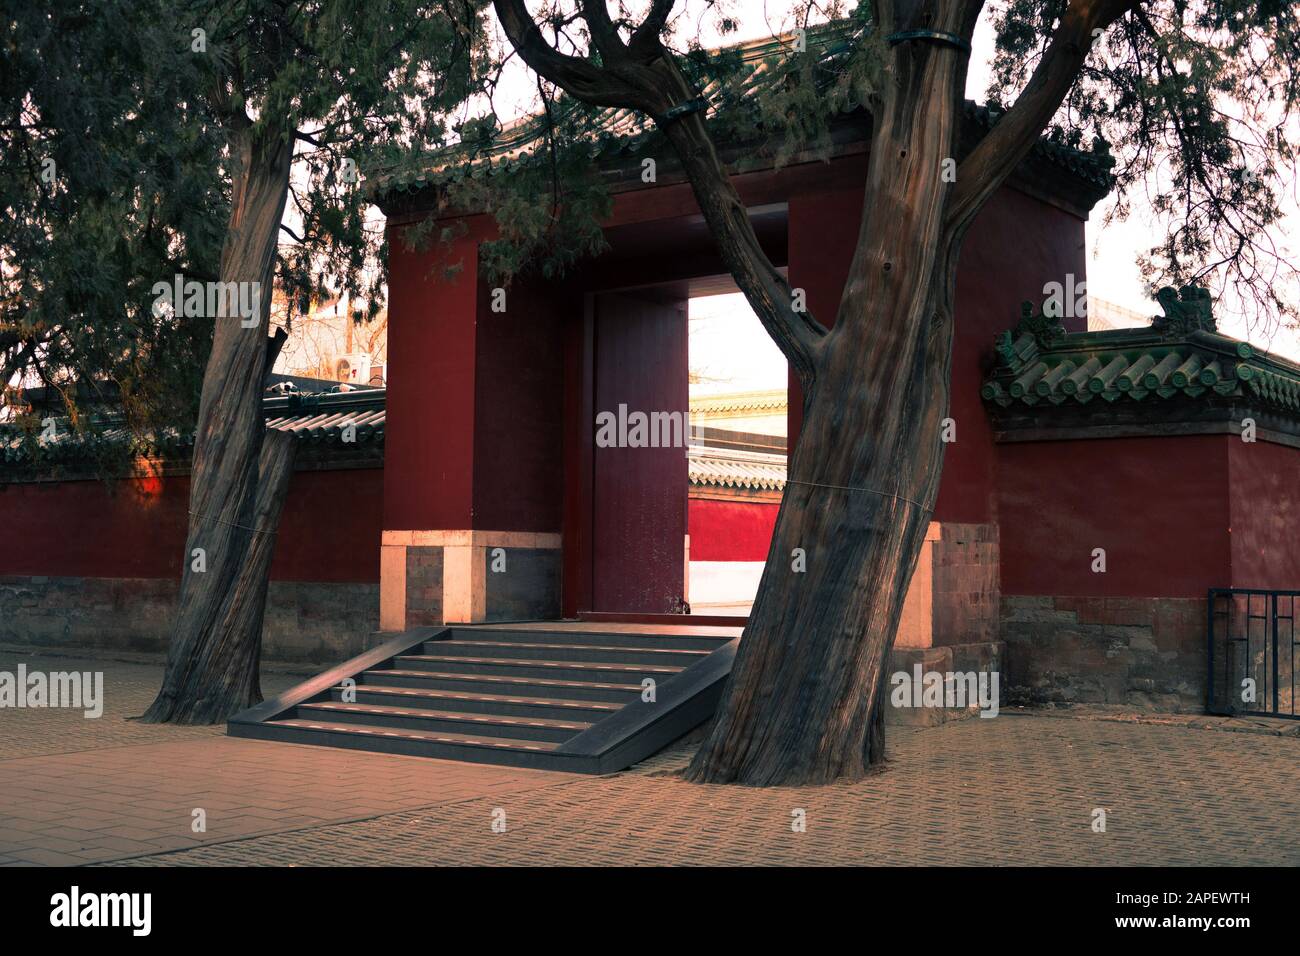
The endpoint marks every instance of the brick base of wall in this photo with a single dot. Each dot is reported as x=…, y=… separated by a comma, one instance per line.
x=306, y=622
x=966, y=584
x=1147, y=653
x=984, y=657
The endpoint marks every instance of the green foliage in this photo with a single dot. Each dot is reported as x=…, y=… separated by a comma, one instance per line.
x=108, y=181
x=802, y=92
x=1197, y=101
x=549, y=205
x=354, y=82
x=136, y=103
x=539, y=177
x=1196, y=98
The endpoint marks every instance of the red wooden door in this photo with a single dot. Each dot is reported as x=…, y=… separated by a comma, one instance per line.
x=639, y=493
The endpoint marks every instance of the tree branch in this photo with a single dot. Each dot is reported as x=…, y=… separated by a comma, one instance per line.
x=797, y=333
x=645, y=38
x=581, y=78
x=998, y=153
x=8, y=369
x=652, y=83
x=603, y=33
x=274, y=343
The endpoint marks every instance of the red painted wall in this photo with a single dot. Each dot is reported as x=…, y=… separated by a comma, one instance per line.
x=1015, y=246
x=731, y=530
x=1264, y=484
x=429, y=434
x=331, y=527
x=519, y=408
x=823, y=229
x=329, y=532
x=475, y=421
x=1159, y=506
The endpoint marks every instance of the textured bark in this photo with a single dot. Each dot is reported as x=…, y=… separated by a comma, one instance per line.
x=864, y=475
x=212, y=660
x=862, y=482
x=246, y=609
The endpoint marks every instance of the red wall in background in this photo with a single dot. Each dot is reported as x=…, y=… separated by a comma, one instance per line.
x=1015, y=246
x=130, y=529
x=730, y=530
x=1264, y=484
x=823, y=232
x=331, y=527
x=329, y=532
x=1159, y=506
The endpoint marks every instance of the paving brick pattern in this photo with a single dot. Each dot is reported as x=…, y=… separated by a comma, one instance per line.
x=124, y=801
x=1014, y=790
x=129, y=689
x=1019, y=789
x=75, y=790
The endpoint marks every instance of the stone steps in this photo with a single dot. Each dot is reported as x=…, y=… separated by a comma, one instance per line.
x=547, y=697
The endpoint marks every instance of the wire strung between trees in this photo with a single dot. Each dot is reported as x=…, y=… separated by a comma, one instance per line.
x=242, y=527
x=870, y=491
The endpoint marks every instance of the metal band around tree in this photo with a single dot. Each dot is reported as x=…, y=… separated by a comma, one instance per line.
x=685, y=109
x=935, y=36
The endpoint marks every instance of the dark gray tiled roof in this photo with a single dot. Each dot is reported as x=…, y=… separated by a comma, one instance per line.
x=323, y=418
x=721, y=468
x=620, y=133
x=319, y=419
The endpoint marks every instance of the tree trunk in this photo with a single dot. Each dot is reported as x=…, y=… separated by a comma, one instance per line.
x=864, y=475
x=242, y=654
x=798, y=705
x=801, y=703
x=213, y=657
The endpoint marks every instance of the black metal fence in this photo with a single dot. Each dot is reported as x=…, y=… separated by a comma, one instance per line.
x=1253, y=650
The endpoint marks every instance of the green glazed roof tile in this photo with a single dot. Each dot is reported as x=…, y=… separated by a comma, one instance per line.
x=1180, y=356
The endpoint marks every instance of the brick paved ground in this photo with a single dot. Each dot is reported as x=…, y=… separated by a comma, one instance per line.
x=75, y=790
x=1017, y=789
x=129, y=688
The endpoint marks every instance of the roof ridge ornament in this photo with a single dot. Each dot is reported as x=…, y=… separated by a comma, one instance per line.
x=1047, y=330
x=1181, y=358
x=1043, y=331
x=1186, y=310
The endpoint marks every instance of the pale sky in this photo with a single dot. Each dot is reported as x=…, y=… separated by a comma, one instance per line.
x=730, y=349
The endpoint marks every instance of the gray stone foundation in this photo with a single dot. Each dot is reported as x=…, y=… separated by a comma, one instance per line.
x=984, y=657
x=529, y=587
x=306, y=622
x=1147, y=653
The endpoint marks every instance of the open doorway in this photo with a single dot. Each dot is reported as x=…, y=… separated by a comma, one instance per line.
x=679, y=486
x=739, y=401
